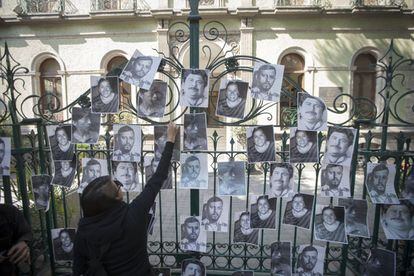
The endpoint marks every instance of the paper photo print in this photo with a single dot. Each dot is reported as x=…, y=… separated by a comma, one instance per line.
x=380, y=262
x=281, y=262
x=151, y=165
x=215, y=214
x=191, y=267
x=5, y=155
x=161, y=271
x=194, y=171
x=140, y=70
x=267, y=81
x=335, y=181
x=339, y=146
x=194, y=88
x=303, y=147
x=193, y=236
x=41, y=191
x=60, y=143
x=380, y=183
x=63, y=243
x=104, y=94
x=356, y=220
x=91, y=169
x=281, y=180
x=311, y=259
x=263, y=212
x=261, y=144
x=85, y=126
x=127, y=143
x=298, y=211
x=243, y=232
x=64, y=172
x=231, y=178
x=398, y=221
x=330, y=224
x=231, y=100
x=195, y=132
x=312, y=113
x=408, y=191
x=127, y=174
x=151, y=103
x=160, y=139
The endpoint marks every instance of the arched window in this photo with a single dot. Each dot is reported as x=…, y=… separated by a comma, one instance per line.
x=51, y=87
x=118, y=63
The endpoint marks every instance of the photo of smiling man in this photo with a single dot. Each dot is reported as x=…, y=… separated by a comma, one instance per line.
x=267, y=81
x=194, y=88
x=339, y=146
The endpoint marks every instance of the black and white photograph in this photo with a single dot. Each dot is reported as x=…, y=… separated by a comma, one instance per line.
x=408, y=191
x=312, y=113
x=60, y=143
x=231, y=178
x=311, y=259
x=215, y=213
x=151, y=218
x=193, y=235
x=161, y=271
x=151, y=103
x=63, y=242
x=91, y=169
x=127, y=174
x=194, y=171
x=151, y=165
x=140, y=70
x=261, y=144
x=5, y=155
x=127, y=143
x=330, y=224
x=281, y=262
x=267, y=81
x=335, y=181
x=356, y=220
x=380, y=262
x=192, y=267
x=263, y=212
x=380, y=183
x=243, y=273
x=398, y=220
x=298, y=211
x=195, y=132
x=64, y=172
x=231, y=100
x=160, y=139
x=242, y=229
x=104, y=94
x=85, y=126
x=281, y=180
x=303, y=147
x=194, y=88
x=41, y=191
x=339, y=146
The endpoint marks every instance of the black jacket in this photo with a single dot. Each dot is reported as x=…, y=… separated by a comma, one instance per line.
x=121, y=233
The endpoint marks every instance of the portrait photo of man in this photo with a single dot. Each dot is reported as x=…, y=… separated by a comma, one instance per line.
x=231, y=178
x=398, y=221
x=281, y=262
x=192, y=267
x=215, y=216
x=63, y=243
x=380, y=183
x=60, y=143
x=242, y=229
x=85, y=126
x=41, y=189
x=267, y=81
x=151, y=103
x=263, y=212
x=261, y=144
x=381, y=262
x=194, y=88
x=330, y=224
x=303, y=147
x=140, y=70
x=151, y=165
x=193, y=236
x=310, y=260
x=104, y=95
x=194, y=171
x=195, y=132
x=281, y=180
x=231, y=100
x=356, y=211
x=339, y=146
x=298, y=211
x=5, y=155
x=160, y=139
x=64, y=172
x=127, y=174
x=335, y=181
x=408, y=191
x=92, y=168
x=312, y=113
x=127, y=143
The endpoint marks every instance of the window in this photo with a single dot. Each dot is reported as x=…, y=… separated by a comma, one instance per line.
x=117, y=64
x=50, y=88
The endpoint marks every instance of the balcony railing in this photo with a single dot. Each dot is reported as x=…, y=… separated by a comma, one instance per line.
x=298, y=3
x=118, y=5
x=388, y=3
x=45, y=6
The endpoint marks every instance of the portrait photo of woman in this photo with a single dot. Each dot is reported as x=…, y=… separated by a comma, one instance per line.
x=104, y=94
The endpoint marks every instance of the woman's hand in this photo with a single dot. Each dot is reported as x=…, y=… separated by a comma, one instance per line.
x=172, y=132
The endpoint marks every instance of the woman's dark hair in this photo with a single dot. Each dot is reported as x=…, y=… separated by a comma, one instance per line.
x=64, y=130
x=266, y=131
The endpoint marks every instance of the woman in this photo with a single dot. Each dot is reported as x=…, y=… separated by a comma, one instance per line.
x=61, y=147
x=304, y=147
x=104, y=97
x=330, y=229
x=232, y=104
x=260, y=146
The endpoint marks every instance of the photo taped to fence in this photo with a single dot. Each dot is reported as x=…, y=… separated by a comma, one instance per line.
x=85, y=126
x=340, y=144
x=105, y=94
x=380, y=262
x=267, y=81
x=312, y=113
x=231, y=178
x=215, y=213
x=41, y=191
x=262, y=212
x=92, y=168
x=194, y=171
x=195, y=132
x=335, y=181
x=63, y=243
x=311, y=260
x=231, y=100
x=127, y=174
x=192, y=267
x=398, y=220
x=303, y=147
x=5, y=156
x=281, y=180
x=261, y=144
x=298, y=211
x=127, y=143
x=64, y=172
x=281, y=258
x=160, y=139
x=193, y=235
x=380, y=183
x=151, y=102
x=151, y=165
x=356, y=216
x=194, y=88
x=330, y=224
x=60, y=142
x=243, y=233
